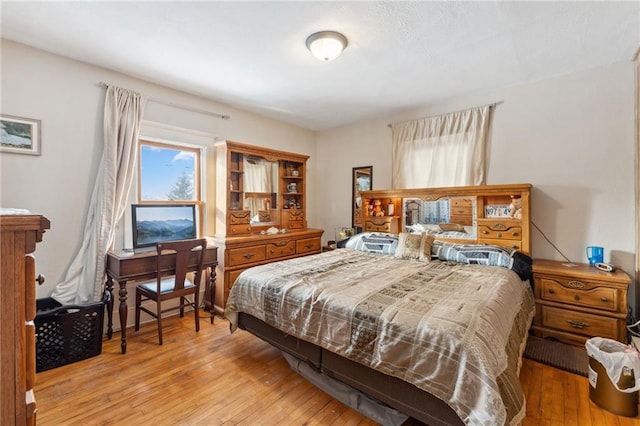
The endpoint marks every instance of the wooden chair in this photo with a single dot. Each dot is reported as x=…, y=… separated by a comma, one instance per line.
x=173, y=286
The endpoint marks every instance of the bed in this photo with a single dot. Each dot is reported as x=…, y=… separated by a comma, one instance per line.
x=435, y=330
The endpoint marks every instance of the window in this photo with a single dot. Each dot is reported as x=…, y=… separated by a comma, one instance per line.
x=169, y=173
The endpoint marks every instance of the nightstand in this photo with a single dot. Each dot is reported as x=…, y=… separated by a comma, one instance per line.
x=576, y=301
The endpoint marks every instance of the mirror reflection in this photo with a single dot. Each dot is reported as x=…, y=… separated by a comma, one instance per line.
x=361, y=181
x=261, y=189
x=448, y=217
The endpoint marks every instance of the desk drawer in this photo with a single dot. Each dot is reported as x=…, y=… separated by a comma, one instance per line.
x=308, y=245
x=241, y=256
x=281, y=248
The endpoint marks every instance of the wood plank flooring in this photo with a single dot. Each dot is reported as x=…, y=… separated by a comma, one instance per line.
x=216, y=378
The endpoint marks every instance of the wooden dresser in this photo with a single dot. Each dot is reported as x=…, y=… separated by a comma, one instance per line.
x=20, y=232
x=574, y=303
x=250, y=203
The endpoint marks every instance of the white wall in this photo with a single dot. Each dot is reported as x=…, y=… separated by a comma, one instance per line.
x=64, y=95
x=572, y=137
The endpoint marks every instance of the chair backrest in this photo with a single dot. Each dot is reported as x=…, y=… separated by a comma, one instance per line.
x=184, y=251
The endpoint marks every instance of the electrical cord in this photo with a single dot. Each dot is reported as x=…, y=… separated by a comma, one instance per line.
x=549, y=241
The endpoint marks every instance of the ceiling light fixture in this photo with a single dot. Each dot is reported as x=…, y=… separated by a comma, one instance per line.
x=326, y=45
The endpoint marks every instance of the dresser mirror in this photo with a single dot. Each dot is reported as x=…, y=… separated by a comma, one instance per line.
x=362, y=178
x=261, y=190
x=448, y=217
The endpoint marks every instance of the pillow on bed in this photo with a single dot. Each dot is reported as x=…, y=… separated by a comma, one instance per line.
x=414, y=246
x=482, y=254
x=373, y=242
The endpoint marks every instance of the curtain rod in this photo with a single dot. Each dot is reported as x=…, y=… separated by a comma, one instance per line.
x=452, y=112
x=171, y=104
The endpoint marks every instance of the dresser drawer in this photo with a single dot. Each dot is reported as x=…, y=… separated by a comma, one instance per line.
x=281, y=248
x=238, y=217
x=565, y=291
x=241, y=256
x=232, y=279
x=579, y=322
x=296, y=224
x=308, y=245
x=239, y=229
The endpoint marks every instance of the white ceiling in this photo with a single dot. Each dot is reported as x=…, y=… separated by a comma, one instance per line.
x=401, y=55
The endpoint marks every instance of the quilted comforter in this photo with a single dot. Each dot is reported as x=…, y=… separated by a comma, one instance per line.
x=454, y=330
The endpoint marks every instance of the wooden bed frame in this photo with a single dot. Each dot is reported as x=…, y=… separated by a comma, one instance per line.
x=401, y=395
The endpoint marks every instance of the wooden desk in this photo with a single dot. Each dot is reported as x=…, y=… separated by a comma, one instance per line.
x=126, y=266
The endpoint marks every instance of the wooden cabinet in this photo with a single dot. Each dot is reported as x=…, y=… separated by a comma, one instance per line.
x=20, y=232
x=577, y=301
x=257, y=189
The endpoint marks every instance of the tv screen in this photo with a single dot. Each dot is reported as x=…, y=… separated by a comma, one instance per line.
x=162, y=222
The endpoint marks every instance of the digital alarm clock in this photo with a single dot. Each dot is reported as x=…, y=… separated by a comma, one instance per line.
x=607, y=267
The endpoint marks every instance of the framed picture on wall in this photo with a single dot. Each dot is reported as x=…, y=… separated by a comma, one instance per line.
x=362, y=179
x=19, y=135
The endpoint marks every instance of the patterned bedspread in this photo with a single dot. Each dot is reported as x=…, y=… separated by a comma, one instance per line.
x=454, y=330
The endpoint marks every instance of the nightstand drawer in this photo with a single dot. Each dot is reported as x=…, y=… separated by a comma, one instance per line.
x=579, y=322
x=561, y=291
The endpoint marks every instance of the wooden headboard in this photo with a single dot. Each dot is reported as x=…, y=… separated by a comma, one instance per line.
x=480, y=211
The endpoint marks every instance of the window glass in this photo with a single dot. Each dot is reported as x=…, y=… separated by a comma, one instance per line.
x=168, y=172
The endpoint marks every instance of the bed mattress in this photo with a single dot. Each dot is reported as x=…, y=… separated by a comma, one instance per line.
x=456, y=331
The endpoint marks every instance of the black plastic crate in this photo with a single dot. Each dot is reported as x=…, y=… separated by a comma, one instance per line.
x=66, y=334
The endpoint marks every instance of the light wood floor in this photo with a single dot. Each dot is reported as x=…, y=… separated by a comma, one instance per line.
x=215, y=378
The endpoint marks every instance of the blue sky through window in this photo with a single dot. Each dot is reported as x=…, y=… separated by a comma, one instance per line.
x=161, y=168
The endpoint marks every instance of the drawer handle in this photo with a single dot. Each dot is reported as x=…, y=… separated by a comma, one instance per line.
x=575, y=284
x=308, y=245
x=499, y=234
x=514, y=233
x=577, y=324
x=281, y=243
x=576, y=297
x=551, y=291
x=485, y=232
x=248, y=255
x=40, y=279
x=604, y=299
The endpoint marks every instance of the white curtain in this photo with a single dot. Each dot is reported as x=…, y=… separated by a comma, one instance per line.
x=448, y=150
x=257, y=178
x=84, y=280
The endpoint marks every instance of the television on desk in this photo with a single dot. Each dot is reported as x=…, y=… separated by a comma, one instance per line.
x=153, y=223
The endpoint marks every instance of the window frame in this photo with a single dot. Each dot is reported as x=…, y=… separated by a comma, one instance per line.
x=197, y=173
